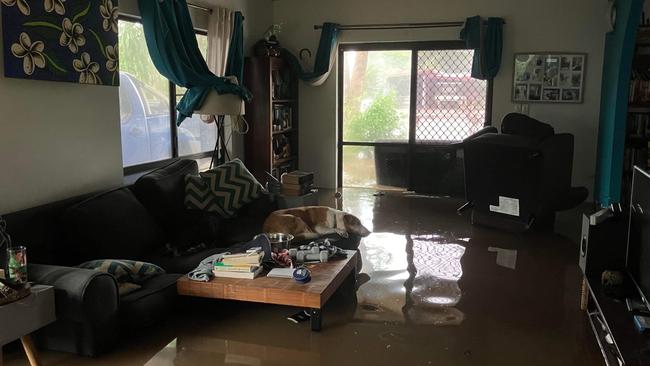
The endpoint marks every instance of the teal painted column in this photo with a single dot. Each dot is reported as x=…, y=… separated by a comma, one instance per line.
x=617, y=68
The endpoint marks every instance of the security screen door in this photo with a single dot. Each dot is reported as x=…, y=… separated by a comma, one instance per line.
x=401, y=106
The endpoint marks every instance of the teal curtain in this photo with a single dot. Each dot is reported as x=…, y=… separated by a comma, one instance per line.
x=325, y=56
x=486, y=39
x=172, y=45
x=617, y=70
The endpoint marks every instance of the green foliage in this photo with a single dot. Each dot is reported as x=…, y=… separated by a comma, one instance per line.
x=135, y=59
x=379, y=122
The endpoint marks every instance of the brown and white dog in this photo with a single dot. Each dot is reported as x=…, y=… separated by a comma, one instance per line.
x=311, y=222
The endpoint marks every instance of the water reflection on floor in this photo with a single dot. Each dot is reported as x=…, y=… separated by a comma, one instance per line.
x=432, y=291
x=418, y=283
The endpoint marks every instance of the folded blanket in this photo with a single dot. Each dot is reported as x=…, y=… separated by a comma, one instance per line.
x=203, y=272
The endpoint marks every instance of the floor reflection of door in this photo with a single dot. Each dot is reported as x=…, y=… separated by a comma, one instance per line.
x=412, y=279
x=401, y=106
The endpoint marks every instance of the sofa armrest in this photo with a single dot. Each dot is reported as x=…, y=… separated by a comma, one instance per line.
x=81, y=295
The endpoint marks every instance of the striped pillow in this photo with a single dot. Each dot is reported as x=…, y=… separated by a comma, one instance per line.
x=198, y=196
x=124, y=270
x=233, y=186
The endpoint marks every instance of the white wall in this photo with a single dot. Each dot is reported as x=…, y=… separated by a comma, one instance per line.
x=531, y=25
x=63, y=139
x=56, y=140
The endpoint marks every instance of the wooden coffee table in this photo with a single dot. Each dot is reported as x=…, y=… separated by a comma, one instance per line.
x=325, y=279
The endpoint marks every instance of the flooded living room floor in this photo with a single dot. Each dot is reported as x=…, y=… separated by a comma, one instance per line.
x=433, y=290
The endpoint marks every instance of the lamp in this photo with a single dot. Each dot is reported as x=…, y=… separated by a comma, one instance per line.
x=217, y=106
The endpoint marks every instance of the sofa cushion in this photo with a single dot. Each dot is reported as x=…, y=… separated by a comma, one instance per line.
x=110, y=225
x=150, y=304
x=233, y=186
x=162, y=191
x=126, y=288
x=241, y=229
x=124, y=270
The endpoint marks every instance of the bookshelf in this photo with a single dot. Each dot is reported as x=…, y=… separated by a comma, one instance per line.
x=271, y=145
x=637, y=131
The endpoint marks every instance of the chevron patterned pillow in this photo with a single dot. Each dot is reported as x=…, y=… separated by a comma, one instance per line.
x=198, y=196
x=232, y=185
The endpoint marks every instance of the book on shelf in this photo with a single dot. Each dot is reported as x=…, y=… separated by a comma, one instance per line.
x=298, y=177
x=638, y=125
x=639, y=88
x=234, y=274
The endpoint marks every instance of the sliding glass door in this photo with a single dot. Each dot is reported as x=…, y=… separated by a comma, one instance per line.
x=398, y=104
x=376, y=112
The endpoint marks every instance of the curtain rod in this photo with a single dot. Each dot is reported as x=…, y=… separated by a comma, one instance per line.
x=208, y=10
x=397, y=26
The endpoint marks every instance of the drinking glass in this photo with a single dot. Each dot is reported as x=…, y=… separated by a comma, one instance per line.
x=17, y=265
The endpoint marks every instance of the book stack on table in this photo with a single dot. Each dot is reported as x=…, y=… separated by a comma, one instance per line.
x=245, y=265
x=297, y=183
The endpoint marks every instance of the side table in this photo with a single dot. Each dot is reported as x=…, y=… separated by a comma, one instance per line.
x=23, y=317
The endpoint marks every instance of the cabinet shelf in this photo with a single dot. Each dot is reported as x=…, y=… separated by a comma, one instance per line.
x=275, y=87
x=279, y=162
x=638, y=108
x=286, y=130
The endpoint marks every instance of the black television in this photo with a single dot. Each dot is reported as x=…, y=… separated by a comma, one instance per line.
x=638, y=237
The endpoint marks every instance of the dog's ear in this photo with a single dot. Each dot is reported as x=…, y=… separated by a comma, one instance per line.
x=353, y=225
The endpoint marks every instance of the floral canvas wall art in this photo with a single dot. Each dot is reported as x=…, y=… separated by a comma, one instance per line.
x=61, y=40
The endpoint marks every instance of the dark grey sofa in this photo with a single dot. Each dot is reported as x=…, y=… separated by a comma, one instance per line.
x=139, y=222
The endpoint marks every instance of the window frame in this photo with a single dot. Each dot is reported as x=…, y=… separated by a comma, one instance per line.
x=139, y=168
x=414, y=47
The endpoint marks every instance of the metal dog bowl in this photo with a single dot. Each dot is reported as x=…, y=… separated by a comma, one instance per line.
x=279, y=241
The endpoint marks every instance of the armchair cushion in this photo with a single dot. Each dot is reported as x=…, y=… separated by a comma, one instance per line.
x=523, y=125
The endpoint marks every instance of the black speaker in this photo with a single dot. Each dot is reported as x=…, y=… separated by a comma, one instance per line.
x=603, y=242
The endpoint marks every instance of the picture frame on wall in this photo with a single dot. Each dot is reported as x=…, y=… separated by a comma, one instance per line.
x=548, y=77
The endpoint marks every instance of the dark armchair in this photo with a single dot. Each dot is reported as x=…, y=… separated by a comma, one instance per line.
x=520, y=177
